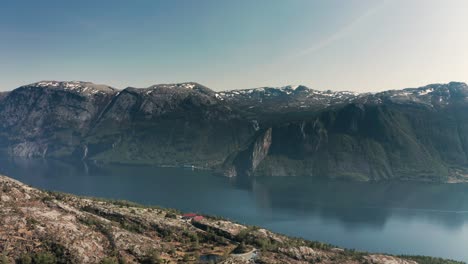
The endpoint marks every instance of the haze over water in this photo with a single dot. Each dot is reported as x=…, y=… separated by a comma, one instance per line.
x=391, y=217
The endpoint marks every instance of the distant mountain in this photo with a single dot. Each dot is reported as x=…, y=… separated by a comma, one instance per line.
x=287, y=98
x=50, y=118
x=296, y=98
x=415, y=133
x=173, y=125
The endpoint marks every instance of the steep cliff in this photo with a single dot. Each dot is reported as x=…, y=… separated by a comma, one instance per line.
x=175, y=125
x=380, y=137
x=50, y=118
x=246, y=162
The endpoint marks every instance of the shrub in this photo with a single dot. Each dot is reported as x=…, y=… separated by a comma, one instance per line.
x=171, y=215
x=24, y=259
x=110, y=260
x=152, y=257
x=241, y=248
x=4, y=259
x=44, y=258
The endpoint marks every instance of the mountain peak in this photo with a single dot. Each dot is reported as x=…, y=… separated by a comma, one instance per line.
x=290, y=87
x=81, y=87
x=185, y=85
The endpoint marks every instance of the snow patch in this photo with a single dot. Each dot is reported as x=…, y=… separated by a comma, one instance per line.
x=84, y=88
x=427, y=91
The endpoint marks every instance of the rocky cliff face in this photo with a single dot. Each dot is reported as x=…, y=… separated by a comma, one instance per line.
x=182, y=124
x=247, y=161
x=44, y=227
x=50, y=118
x=417, y=133
x=3, y=95
x=410, y=134
x=368, y=141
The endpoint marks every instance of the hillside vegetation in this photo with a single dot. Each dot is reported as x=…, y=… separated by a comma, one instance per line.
x=46, y=227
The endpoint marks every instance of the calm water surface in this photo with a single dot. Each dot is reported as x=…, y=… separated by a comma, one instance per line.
x=398, y=218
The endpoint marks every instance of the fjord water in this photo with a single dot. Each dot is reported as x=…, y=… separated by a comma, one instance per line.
x=392, y=217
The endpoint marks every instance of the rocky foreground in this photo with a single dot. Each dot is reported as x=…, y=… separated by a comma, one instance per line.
x=43, y=227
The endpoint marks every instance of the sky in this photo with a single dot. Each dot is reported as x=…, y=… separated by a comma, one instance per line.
x=356, y=45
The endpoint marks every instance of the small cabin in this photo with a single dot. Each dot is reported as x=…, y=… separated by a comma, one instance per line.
x=198, y=218
x=188, y=216
x=192, y=216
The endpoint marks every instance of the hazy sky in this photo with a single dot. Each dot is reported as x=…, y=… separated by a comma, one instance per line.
x=360, y=45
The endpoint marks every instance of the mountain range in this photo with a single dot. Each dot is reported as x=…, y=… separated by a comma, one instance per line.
x=410, y=134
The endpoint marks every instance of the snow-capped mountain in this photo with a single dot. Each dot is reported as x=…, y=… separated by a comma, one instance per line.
x=180, y=87
x=414, y=133
x=285, y=98
x=303, y=98
x=434, y=95
x=78, y=87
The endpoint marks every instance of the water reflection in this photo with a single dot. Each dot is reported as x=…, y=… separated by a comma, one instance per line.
x=358, y=203
x=395, y=217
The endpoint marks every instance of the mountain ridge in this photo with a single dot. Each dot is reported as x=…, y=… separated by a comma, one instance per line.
x=414, y=133
x=55, y=83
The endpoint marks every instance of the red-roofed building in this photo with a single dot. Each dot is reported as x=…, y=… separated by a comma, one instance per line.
x=192, y=216
x=198, y=218
x=189, y=216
